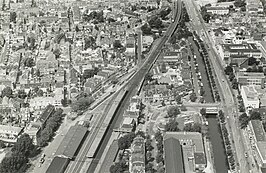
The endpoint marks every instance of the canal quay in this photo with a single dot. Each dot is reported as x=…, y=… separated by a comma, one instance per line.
x=220, y=160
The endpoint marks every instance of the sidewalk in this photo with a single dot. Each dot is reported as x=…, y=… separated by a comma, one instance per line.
x=209, y=168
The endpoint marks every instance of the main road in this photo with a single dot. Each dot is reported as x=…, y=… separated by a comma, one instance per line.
x=229, y=101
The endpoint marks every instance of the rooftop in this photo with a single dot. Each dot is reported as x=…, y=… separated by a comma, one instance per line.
x=250, y=92
x=58, y=165
x=194, y=136
x=173, y=156
x=7, y=128
x=258, y=130
x=246, y=47
x=71, y=141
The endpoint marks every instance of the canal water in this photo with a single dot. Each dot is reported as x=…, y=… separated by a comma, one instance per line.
x=220, y=161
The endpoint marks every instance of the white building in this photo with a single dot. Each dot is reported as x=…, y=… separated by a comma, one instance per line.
x=9, y=133
x=250, y=97
x=218, y=10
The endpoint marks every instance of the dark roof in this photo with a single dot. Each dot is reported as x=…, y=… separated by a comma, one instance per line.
x=258, y=130
x=71, y=141
x=200, y=158
x=58, y=165
x=47, y=113
x=173, y=156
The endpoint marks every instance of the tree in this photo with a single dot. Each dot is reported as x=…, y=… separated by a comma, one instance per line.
x=146, y=30
x=231, y=77
x=234, y=84
x=81, y=104
x=148, y=77
x=205, y=15
x=29, y=62
x=155, y=22
x=89, y=73
x=193, y=97
x=202, y=92
x=40, y=93
x=192, y=127
x=22, y=94
x=148, y=145
x=183, y=108
x=57, y=53
x=228, y=70
x=158, y=136
x=119, y=167
x=7, y=91
x=24, y=146
x=178, y=99
x=254, y=115
x=159, y=158
x=77, y=28
x=110, y=20
x=172, y=126
x=163, y=13
x=13, y=17
x=252, y=61
x=125, y=141
x=149, y=167
x=203, y=111
x=14, y=164
x=240, y=3
x=173, y=111
x=117, y=44
x=243, y=120
x=149, y=157
x=241, y=107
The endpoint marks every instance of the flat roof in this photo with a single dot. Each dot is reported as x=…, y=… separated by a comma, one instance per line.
x=58, y=165
x=258, y=130
x=250, y=92
x=46, y=113
x=173, y=156
x=246, y=47
x=196, y=137
x=71, y=141
x=250, y=74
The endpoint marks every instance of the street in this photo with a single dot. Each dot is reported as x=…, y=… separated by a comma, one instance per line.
x=229, y=101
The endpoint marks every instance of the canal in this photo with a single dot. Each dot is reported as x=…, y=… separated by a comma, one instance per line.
x=220, y=161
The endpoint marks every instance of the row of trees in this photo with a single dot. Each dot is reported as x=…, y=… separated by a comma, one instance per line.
x=227, y=143
x=205, y=15
x=159, y=158
x=229, y=71
x=204, y=55
x=241, y=106
x=48, y=131
x=81, y=104
x=22, y=150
